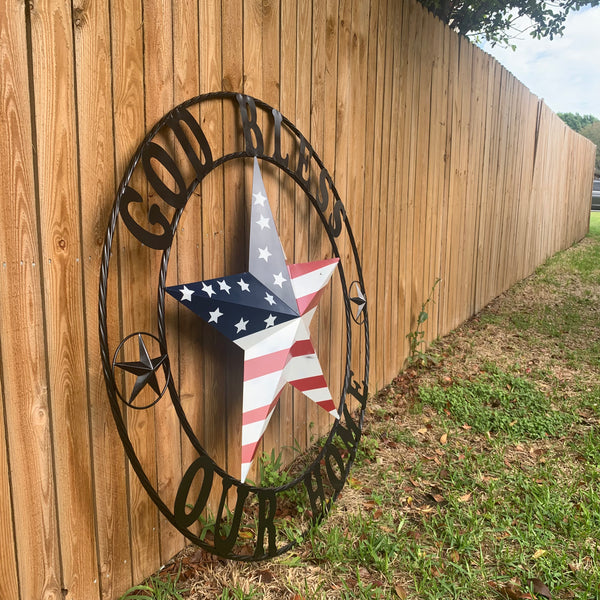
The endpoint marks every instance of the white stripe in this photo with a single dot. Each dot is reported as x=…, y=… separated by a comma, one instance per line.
x=312, y=282
x=252, y=432
x=301, y=367
x=319, y=395
x=261, y=391
x=269, y=340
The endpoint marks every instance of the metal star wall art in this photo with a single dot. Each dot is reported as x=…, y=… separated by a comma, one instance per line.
x=145, y=370
x=267, y=312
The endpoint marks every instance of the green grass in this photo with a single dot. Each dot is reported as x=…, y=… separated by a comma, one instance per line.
x=498, y=403
x=156, y=588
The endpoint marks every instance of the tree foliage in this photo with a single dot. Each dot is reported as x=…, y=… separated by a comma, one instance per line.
x=576, y=121
x=495, y=20
x=592, y=132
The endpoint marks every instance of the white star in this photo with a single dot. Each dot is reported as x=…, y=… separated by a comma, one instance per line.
x=186, y=293
x=263, y=222
x=264, y=253
x=279, y=279
x=241, y=326
x=245, y=287
x=223, y=286
x=208, y=289
x=214, y=315
x=270, y=321
x=270, y=299
x=259, y=198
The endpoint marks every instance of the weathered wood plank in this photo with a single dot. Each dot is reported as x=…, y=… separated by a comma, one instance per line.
x=60, y=214
x=35, y=537
x=97, y=183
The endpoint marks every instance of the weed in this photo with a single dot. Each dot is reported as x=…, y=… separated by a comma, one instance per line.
x=155, y=588
x=416, y=342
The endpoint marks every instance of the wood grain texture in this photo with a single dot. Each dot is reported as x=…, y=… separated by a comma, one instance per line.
x=60, y=215
x=26, y=447
x=97, y=184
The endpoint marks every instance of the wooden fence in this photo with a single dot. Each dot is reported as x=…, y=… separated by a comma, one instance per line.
x=449, y=167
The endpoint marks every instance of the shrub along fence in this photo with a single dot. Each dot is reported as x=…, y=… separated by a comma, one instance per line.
x=447, y=165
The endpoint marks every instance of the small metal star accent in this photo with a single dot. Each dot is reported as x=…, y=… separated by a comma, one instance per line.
x=359, y=300
x=145, y=369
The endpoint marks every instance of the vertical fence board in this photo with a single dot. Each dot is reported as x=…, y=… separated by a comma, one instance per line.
x=22, y=366
x=53, y=81
x=97, y=183
x=382, y=315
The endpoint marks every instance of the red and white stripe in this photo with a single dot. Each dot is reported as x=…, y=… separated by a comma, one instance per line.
x=284, y=354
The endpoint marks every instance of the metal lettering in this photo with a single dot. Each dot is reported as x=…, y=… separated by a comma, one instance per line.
x=324, y=187
x=277, y=153
x=304, y=156
x=336, y=482
x=175, y=199
x=336, y=218
x=360, y=396
x=185, y=519
x=224, y=544
x=201, y=167
x=316, y=493
x=155, y=217
x=248, y=113
x=267, y=505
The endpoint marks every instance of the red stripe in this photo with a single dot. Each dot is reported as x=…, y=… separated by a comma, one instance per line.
x=309, y=383
x=248, y=452
x=259, y=414
x=302, y=348
x=300, y=269
x=263, y=365
x=276, y=361
x=328, y=405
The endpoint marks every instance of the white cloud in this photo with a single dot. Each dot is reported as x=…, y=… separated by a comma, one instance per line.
x=564, y=71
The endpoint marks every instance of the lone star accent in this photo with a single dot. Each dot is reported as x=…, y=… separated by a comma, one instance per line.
x=145, y=369
x=271, y=323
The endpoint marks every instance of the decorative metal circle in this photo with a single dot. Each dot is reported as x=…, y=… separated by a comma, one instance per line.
x=246, y=522
x=144, y=369
x=359, y=299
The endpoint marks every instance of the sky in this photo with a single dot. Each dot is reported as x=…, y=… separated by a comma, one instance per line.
x=565, y=71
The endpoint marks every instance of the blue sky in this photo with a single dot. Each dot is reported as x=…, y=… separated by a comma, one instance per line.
x=565, y=71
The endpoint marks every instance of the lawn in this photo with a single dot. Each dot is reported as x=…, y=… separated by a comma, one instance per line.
x=478, y=476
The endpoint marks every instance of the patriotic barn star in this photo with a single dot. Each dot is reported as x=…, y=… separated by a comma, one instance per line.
x=267, y=312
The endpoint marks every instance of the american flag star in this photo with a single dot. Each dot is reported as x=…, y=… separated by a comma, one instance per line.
x=267, y=312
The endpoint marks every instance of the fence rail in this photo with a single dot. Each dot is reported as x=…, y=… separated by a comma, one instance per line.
x=447, y=165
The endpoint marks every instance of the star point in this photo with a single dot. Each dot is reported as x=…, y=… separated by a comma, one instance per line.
x=264, y=253
x=243, y=285
x=259, y=198
x=215, y=315
x=186, y=293
x=223, y=286
x=241, y=325
x=263, y=222
x=279, y=279
x=269, y=299
x=207, y=289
